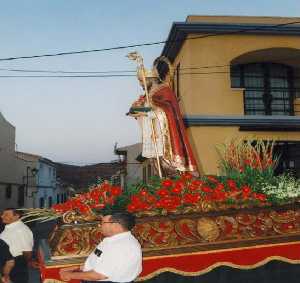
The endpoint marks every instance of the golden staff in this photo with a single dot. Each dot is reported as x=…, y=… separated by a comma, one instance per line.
x=138, y=58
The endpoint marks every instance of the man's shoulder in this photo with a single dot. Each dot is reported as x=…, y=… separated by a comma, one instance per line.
x=19, y=227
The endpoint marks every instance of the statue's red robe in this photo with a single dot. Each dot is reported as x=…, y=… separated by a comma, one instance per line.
x=183, y=157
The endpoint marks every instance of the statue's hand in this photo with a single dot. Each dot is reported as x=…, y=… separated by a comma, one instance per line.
x=137, y=114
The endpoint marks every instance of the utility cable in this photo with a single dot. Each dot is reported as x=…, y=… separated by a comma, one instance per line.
x=265, y=27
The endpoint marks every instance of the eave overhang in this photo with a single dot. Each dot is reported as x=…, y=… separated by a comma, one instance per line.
x=180, y=30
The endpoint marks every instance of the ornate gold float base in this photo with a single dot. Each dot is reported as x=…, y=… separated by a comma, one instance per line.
x=174, y=234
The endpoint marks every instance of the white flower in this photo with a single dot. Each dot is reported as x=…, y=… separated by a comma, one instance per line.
x=286, y=188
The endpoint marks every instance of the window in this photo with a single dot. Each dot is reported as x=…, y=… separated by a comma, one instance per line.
x=8, y=191
x=289, y=157
x=42, y=202
x=21, y=199
x=269, y=88
x=176, y=83
x=57, y=198
x=49, y=201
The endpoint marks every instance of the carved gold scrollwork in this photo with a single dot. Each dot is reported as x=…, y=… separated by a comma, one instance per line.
x=68, y=243
x=163, y=232
x=286, y=222
x=163, y=227
x=228, y=226
x=186, y=229
x=262, y=226
x=246, y=219
x=286, y=228
x=75, y=241
x=95, y=235
x=142, y=232
x=208, y=229
x=85, y=242
x=156, y=234
x=75, y=217
x=283, y=217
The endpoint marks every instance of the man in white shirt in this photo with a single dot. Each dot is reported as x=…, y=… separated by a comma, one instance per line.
x=19, y=238
x=118, y=258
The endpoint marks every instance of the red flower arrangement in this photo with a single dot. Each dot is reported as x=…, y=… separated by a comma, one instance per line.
x=181, y=195
x=97, y=198
x=187, y=194
x=80, y=208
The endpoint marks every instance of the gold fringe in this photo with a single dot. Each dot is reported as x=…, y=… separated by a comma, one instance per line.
x=213, y=266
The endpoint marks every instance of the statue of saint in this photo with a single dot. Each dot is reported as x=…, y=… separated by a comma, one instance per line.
x=163, y=131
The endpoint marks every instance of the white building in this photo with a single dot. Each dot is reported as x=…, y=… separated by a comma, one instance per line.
x=41, y=187
x=26, y=180
x=136, y=168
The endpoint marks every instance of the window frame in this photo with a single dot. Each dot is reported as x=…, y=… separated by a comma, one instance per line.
x=238, y=72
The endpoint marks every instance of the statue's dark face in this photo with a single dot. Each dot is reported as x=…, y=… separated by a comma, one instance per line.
x=149, y=83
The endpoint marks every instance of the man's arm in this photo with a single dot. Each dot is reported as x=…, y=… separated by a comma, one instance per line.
x=8, y=266
x=81, y=275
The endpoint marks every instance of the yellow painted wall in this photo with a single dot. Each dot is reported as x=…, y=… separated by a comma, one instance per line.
x=211, y=94
x=205, y=140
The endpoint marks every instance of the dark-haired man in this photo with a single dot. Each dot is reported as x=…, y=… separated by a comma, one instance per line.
x=19, y=238
x=118, y=258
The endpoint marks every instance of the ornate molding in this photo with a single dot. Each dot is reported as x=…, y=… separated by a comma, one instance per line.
x=186, y=233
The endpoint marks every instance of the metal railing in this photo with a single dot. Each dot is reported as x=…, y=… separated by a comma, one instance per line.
x=274, y=101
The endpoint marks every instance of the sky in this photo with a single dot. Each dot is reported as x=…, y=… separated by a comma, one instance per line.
x=78, y=120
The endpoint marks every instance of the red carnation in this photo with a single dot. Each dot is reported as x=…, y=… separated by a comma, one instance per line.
x=116, y=191
x=167, y=183
x=162, y=192
x=177, y=190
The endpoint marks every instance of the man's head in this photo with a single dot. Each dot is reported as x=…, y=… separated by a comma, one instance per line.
x=10, y=215
x=116, y=223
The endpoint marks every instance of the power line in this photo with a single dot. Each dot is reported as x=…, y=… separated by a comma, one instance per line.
x=115, y=76
x=146, y=44
x=126, y=71
x=82, y=51
x=65, y=72
x=66, y=76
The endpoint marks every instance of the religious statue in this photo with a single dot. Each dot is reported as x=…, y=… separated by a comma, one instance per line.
x=164, y=138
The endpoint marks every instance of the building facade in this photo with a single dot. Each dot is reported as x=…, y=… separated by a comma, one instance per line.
x=238, y=77
x=135, y=167
x=41, y=188
x=11, y=185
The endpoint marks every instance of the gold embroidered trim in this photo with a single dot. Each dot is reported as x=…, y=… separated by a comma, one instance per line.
x=213, y=266
x=223, y=250
x=53, y=281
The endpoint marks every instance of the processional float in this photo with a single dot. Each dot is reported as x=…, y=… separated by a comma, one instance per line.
x=212, y=226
